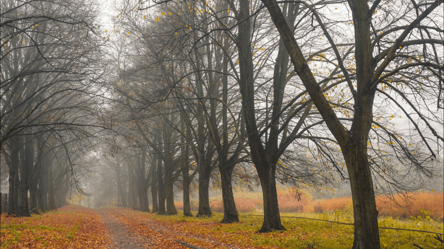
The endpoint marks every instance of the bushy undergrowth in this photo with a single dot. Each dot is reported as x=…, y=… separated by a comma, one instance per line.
x=292, y=200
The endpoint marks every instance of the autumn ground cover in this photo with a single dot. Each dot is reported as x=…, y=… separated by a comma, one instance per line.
x=77, y=227
x=68, y=227
x=301, y=233
x=416, y=211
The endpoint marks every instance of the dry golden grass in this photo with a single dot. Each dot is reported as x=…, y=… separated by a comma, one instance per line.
x=291, y=201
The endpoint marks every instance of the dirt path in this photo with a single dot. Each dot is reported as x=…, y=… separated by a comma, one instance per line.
x=122, y=236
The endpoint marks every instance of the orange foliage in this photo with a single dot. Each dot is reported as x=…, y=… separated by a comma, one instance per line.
x=332, y=204
x=411, y=205
x=293, y=200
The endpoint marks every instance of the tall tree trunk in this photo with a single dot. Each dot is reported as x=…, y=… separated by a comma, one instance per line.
x=27, y=156
x=119, y=186
x=272, y=218
x=171, y=208
x=230, y=212
x=142, y=189
x=160, y=183
x=132, y=188
x=204, y=197
x=366, y=233
x=154, y=187
x=262, y=158
x=33, y=208
x=51, y=191
x=185, y=167
x=14, y=180
x=42, y=196
x=33, y=205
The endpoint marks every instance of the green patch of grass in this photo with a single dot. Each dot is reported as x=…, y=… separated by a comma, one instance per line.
x=305, y=233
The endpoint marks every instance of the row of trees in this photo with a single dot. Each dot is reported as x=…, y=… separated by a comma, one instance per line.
x=214, y=92
x=50, y=66
x=214, y=84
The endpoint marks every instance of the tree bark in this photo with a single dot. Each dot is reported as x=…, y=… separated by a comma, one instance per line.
x=185, y=166
x=42, y=197
x=14, y=180
x=154, y=187
x=160, y=184
x=171, y=208
x=272, y=218
x=204, y=197
x=27, y=156
x=363, y=196
x=51, y=191
x=230, y=212
x=141, y=182
x=263, y=159
x=33, y=207
x=354, y=142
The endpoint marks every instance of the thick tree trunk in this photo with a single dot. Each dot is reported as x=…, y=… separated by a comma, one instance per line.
x=230, y=212
x=272, y=218
x=14, y=180
x=27, y=156
x=143, y=200
x=366, y=234
x=171, y=208
x=133, y=189
x=204, y=197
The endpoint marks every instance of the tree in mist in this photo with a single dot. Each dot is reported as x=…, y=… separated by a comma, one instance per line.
x=383, y=51
x=46, y=71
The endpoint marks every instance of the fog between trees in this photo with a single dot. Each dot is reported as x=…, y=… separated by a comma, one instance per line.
x=184, y=97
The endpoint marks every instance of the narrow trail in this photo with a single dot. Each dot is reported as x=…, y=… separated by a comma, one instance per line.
x=122, y=236
x=163, y=237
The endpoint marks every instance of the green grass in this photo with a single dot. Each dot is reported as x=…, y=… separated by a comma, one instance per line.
x=304, y=233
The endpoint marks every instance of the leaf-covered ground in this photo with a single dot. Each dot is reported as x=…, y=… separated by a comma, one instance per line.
x=77, y=227
x=68, y=227
x=301, y=233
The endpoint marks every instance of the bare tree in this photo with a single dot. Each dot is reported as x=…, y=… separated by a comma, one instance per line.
x=375, y=64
